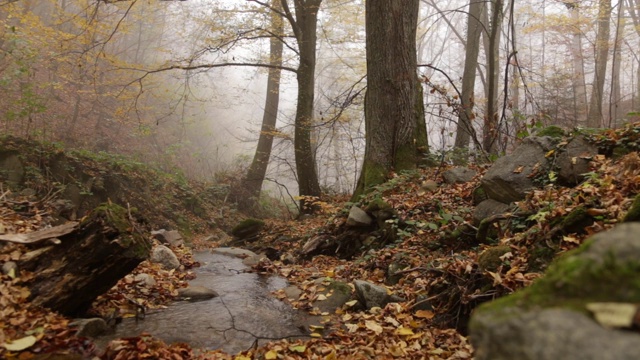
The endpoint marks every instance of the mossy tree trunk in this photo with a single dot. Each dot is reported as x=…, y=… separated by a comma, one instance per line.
x=87, y=262
x=394, y=110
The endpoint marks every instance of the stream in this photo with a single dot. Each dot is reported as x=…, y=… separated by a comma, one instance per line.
x=244, y=310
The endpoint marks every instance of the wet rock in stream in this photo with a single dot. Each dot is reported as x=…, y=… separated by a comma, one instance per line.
x=243, y=311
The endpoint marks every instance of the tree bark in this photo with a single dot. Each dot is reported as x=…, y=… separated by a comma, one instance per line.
x=465, y=116
x=304, y=27
x=594, y=118
x=616, y=92
x=249, y=193
x=490, y=129
x=88, y=261
x=577, y=57
x=394, y=113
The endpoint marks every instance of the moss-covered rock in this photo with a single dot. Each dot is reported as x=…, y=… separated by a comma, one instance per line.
x=552, y=131
x=634, y=211
x=247, y=228
x=606, y=268
x=490, y=258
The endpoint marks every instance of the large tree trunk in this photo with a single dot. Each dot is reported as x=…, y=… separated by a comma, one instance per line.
x=594, y=119
x=249, y=192
x=394, y=115
x=88, y=260
x=465, y=116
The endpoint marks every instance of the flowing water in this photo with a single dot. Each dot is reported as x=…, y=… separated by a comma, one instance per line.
x=244, y=311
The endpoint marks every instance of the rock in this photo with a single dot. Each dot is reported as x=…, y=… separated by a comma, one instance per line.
x=172, y=237
x=488, y=208
x=512, y=176
x=372, y=295
x=458, y=175
x=247, y=229
x=145, y=280
x=358, y=217
x=546, y=320
x=549, y=334
x=336, y=294
x=429, y=186
x=292, y=292
x=253, y=260
x=165, y=257
x=574, y=160
x=490, y=258
x=10, y=267
x=93, y=327
x=234, y=252
x=634, y=211
x=196, y=293
x=11, y=168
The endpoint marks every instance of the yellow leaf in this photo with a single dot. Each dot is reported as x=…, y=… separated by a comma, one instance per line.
x=403, y=331
x=20, y=344
x=551, y=152
x=241, y=357
x=425, y=314
x=315, y=335
x=351, y=303
x=321, y=297
x=373, y=326
x=331, y=356
x=613, y=314
x=298, y=348
x=271, y=354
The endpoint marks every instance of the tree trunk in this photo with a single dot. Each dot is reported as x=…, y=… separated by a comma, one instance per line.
x=633, y=8
x=87, y=262
x=594, y=119
x=304, y=27
x=249, y=192
x=394, y=113
x=579, y=85
x=616, y=96
x=490, y=128
x=465, y=116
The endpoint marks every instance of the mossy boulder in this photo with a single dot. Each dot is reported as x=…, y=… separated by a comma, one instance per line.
x=247, y=228
x=634, y=211
x=606, y=268
x=490, y=259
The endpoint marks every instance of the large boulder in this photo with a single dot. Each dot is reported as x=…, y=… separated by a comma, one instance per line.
x=574, y=159
x=512, y=176
x=552, y=318
x=372, y=295
x=488, y=208
x=458, y=175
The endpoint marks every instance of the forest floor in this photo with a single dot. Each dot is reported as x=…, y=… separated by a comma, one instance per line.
x=438, y=265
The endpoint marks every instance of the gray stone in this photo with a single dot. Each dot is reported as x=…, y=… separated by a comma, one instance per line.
x=253, y=260
x=358, y=217
x=233, y=252
x=196, y=293
x=574, y=160
x=93, y=327
x=337, y=293
x=458, y=175
x=172, y=237
x=145, y=280
x=549, y=334
x=429, y=186
x=11, y=168
x=488, y=208
x=511, y=176
x=165, y=257
x=372, y=295
x=622, y=243
x=10, y=266
x=292, y=292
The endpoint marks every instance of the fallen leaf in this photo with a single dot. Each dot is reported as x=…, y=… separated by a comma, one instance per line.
x=403, y=331
x=610, y=314
x=20, y=344
x=373, y=326
x=425, y=314
x=271, y=354
x=298, y=348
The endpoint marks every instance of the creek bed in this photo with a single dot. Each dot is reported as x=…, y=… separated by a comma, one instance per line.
x=244, y=311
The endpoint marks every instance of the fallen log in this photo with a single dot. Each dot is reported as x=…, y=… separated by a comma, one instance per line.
x=37, y=236
x=86, y=261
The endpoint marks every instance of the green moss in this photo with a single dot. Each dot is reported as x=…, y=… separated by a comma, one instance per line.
x=247, y=228
x=552, y=131
x=634, y=211
x=539, y=258
x=377, y=204
x=118, y=218
x=405, y=157
x=479, y=195
x=490, y=258
x=576, y=220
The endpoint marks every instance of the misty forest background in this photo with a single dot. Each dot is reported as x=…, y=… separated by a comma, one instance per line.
x=182, y=84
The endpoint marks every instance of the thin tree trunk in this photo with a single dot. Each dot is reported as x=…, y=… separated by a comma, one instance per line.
x=594, y=119
x=579, y=84
x=252, y=183
x=490, y=129
x=616, y=96
x=465, y=116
